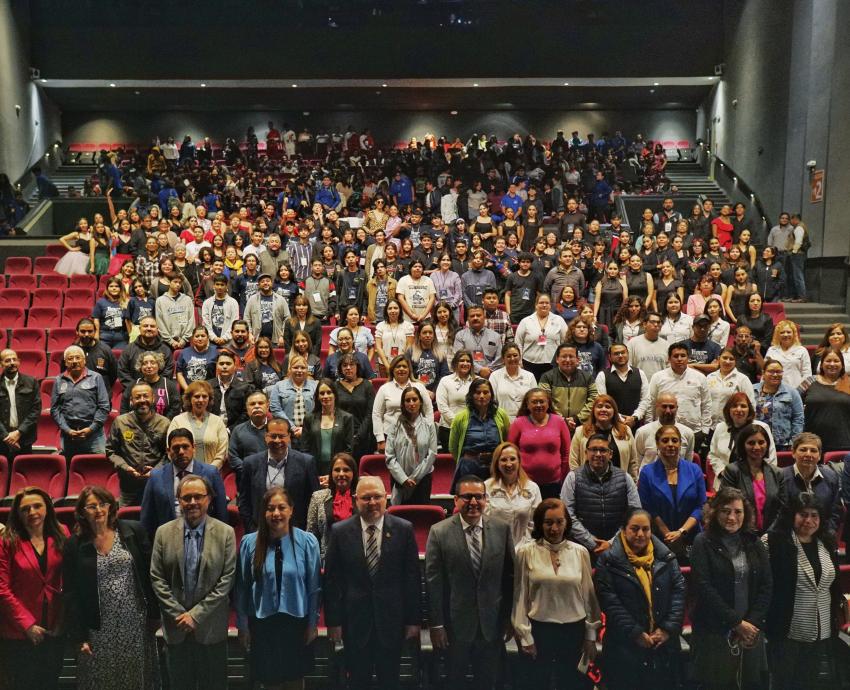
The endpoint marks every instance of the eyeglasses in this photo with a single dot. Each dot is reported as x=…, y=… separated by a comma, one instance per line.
x=94, y=507
x=371, y=498
x=468, y=498
x=193, y=498
x=598, y=451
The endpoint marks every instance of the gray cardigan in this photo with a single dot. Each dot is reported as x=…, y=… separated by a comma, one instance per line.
x=401, y=458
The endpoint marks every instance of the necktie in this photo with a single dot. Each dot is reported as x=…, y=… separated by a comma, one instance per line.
x=182, y=473
x=372, y=554
x=298, y=411
x=474, y=549
x=190, y=567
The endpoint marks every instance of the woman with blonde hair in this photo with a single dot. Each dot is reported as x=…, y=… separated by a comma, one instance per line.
x=511, y=495
x=786, y=349
x=605, y=419
x=207, y=429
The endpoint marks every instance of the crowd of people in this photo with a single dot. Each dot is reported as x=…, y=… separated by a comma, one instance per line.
x=612, y=398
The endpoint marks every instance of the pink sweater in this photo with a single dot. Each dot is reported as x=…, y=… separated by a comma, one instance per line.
x=545, y=450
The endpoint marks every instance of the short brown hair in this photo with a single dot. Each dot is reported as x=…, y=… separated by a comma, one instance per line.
x=540, y=512
x=82, y=528
x=193, y=388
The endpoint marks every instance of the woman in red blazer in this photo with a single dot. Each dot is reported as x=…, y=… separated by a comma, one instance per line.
x=31, y=593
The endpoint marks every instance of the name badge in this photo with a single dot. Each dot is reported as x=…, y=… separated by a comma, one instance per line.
x=393, y=352
x=477, y=356
x=317, y=297
x=541, y=339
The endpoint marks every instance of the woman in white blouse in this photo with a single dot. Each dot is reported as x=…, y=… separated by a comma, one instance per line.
x=392, y=335
x=677, y=324
x=451, y=394
x=719, y=328
x=555, y=615
x=511, y=495
x=387, y=406
x=511, y=382
x=787, y=350
x=724, y=382
x=539, y=335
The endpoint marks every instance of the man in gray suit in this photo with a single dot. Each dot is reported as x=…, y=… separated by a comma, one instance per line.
x=469, y=569
x=192, y=571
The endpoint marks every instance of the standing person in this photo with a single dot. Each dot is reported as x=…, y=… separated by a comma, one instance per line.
x=648, y=351
x=733, y=589
x=521, y=289
x=543, y=438
x=778, y=405
x=334, y=504
x=148, y=340
x=292, y=398
x=393, y=336
x=555, y=612
x=628, y=386
x=111, y=320
x=826, y=402
x=278, y=465
x=99, y=356
x=511, y=382
x=451, y=393
x=640, y=588
x=798, y=248
x=762, y=484
x=512, y=496
x=175, y=314
x=372, y=588
x=193, y=568
x=573, y=390
x=411, y=450
x=266, y=311
x=277, y=596
x=469, y=571
x=724, y=382
x=31, y=547
x=807, y=601
x=484, y=343
x=605, y=419
x=80, y=405
x=786, y=349
x=666, y=412
x=672, y=490
x=112, y=611
x=354, y=395
x=197, y=361
x=302, y=319
x=20, y=407
x=538, y=336
x=79, y=258
x=136, y=444
x=327, y=431
x=387, y=406
x=610, y=293
x=209, y=433
x=415, y=293
x=166, y=395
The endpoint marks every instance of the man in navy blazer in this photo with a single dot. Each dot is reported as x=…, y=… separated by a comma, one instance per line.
x=159, y=502
x=372, y=609
x=279, y=465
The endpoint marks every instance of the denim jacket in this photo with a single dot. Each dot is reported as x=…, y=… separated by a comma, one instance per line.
x=786, y=417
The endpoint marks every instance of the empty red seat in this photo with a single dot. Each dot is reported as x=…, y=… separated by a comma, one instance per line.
x=17, y=265
x=117, y=394
x=375, y=466
x=54, y=280
x=60, y=338
x=48, y=472
x=72, y=315
x=67, y=515
x=12, y=317
x=55, y=249
x=130, y=513
x=775, y=310
x=441, y=478
x=46, y=390
x=15, y=297
x=33, y=362
x=47, y=433
x=4, y=476
x=44, y=317
x=91, y=469
x=44, y=264
x=55, y=362
x=82, y=280
x=378, y=382
x=784, y=458
x=422, y=518
x=47, y=297
x=25, y=281
x=79, y=297
x=835, y=456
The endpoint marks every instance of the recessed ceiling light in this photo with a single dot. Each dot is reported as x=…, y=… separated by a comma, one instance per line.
x=453, y=112
x=203, y=84
x=137, y=92
x=652, y=91
x=295, y=86
x=566, y=83
x=112, y=84
x=476, y=84
x=655, y=83
x=44, y=81
x=384, y=85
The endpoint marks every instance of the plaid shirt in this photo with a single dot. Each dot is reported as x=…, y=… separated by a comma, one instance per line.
x=498, y=321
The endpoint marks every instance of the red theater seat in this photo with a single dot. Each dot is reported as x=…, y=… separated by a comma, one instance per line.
x=79, y=297
x=24, y=281
x=91, y=469
x=44, y=317
x=441, y=479
x=71, y=315
x=33, y=362
x=44, y=264
x=18, y=265
x=422, y=517
x=48, y=472
x=4, y=476
x=17, y=298
x=12, y=317
x=54, y=280
x=375, y=466
x=47, y=433
x=83, y=280
x=47, y=297
x=55, y=250
x=60, y=338
x=46, y=390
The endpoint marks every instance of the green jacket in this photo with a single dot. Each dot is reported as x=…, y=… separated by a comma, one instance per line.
x=572, y=398
x=460, y=423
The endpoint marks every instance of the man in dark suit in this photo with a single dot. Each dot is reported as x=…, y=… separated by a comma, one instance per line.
x=279, y=465
x=372, y=588
x=469, y=569
x=235, y=392
x=159, y=502
x=20, y=407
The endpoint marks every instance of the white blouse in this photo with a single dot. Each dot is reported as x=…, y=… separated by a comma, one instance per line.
x=539, y=345
x=721, y=387
x=510, y=391
x=451, y=397
x=548, y=594
x=394, y=336
x=387, y=406
x=795, y=363
x=674, y=331
x=516, y=509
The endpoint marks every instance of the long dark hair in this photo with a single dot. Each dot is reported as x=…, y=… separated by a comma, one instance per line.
x=470, y=396
x=803, y=501
x=272, y=361
x=262, y=545
x=16, y=530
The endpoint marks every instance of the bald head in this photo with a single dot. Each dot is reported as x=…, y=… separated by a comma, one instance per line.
x=666, y=408
x=10, y=362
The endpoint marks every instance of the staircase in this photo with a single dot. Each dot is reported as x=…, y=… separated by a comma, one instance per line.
x=66, y=176
x=814, y=318
x=692, y=182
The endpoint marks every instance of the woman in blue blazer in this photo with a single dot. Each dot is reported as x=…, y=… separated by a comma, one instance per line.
x=672, y=490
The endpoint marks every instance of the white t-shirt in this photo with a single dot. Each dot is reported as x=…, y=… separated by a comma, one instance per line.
x=417, y=293
x=394, y=337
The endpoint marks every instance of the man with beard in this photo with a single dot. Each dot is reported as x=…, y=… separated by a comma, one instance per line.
x=240, y=340
x=99, y=355
x=148, y=341
x=266, y=312
x=666, y=411
x=20, y=407
x=136, y=444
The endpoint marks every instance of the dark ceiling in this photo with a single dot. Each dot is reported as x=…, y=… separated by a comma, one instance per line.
x=362, y=99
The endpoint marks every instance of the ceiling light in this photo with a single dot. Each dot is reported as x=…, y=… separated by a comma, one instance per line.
x=476, y=84
x=453, y=112
x=652, y=91
x=112, y=84
x=384, y=85
x=655, y=83
x=203, y=84
x=566, y=83
x=295, y=86
x=44, y=81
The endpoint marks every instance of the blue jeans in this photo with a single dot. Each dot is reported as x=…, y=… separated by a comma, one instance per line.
x=94, y=443
x=796, y=275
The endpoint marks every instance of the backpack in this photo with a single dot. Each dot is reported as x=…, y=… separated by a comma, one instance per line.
x=806, y=244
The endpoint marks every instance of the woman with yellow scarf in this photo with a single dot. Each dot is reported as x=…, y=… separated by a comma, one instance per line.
x=642, y=593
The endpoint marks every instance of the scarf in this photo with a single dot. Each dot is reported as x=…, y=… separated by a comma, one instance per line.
x=643, y=570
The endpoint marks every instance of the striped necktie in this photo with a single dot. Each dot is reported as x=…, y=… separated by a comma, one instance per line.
x=299, y=411
x=474, y=549
x=372, y=553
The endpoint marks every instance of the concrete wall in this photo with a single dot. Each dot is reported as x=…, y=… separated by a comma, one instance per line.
x=387, y=126
x=24, y=135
